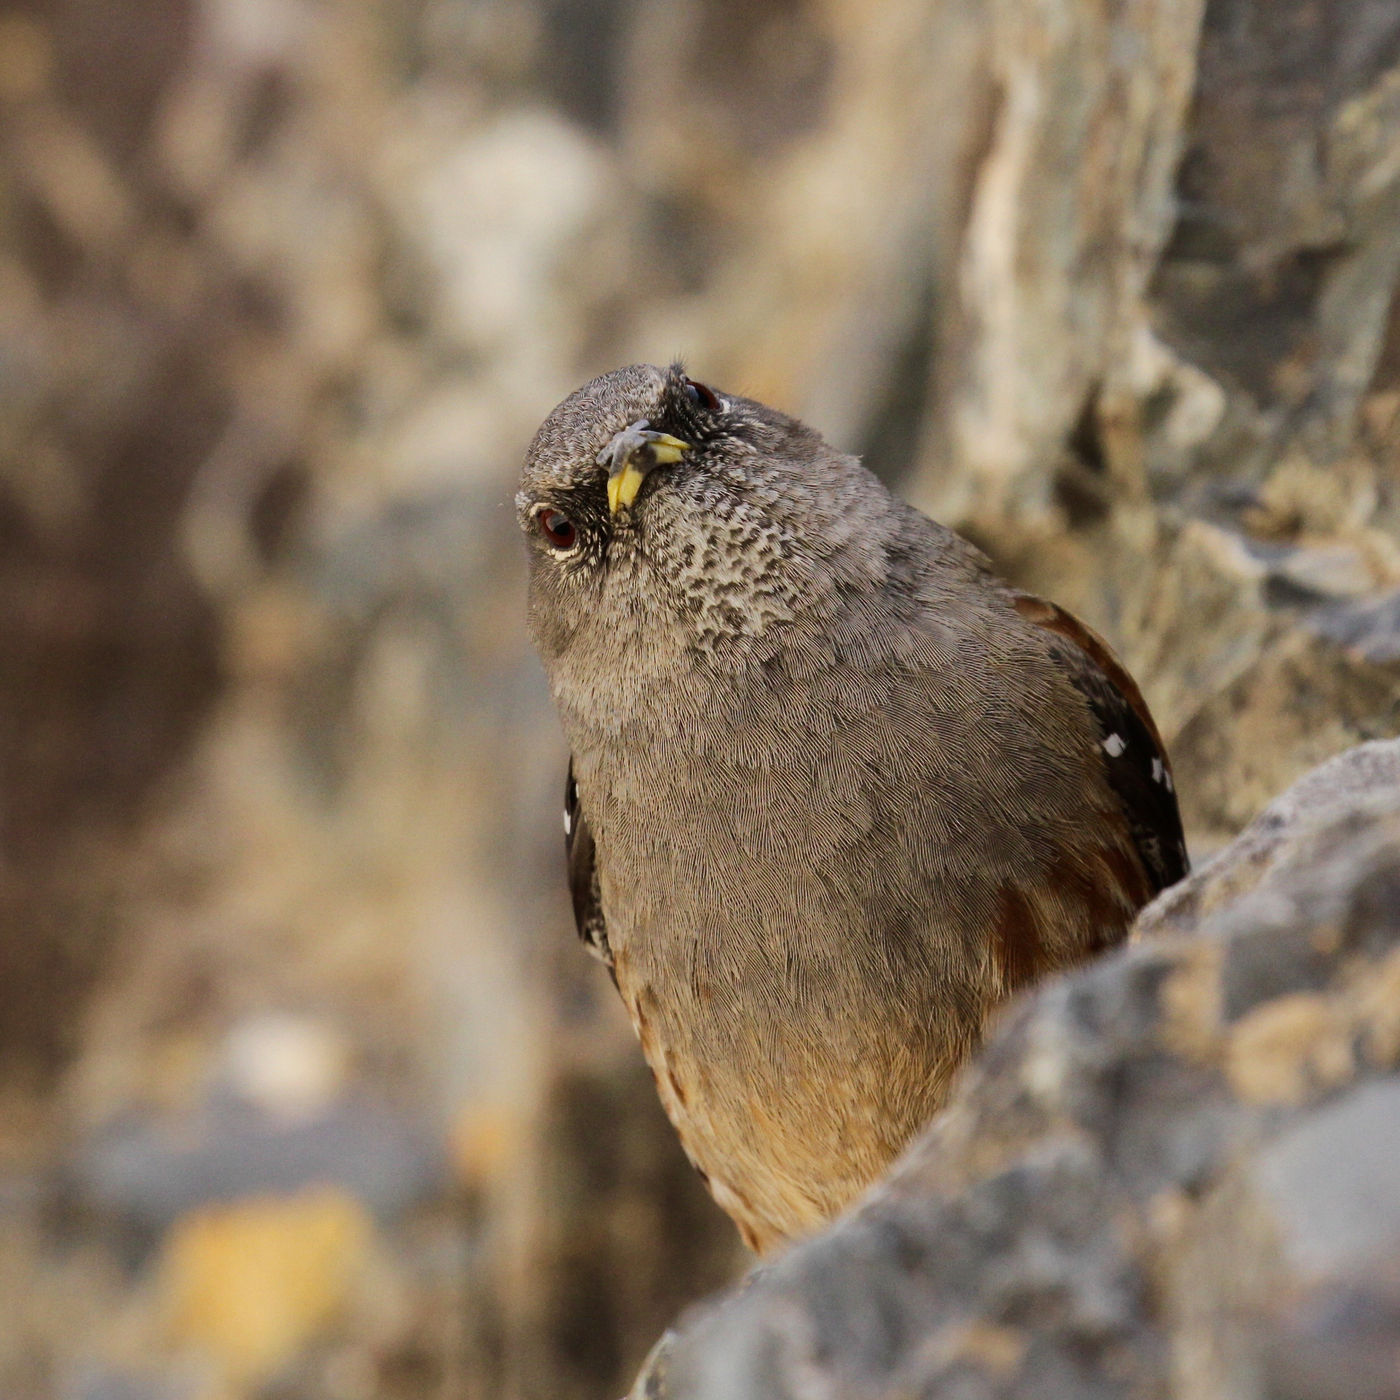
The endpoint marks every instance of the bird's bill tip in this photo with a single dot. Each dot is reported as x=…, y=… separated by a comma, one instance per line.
x=623, y=486
x=660, y=450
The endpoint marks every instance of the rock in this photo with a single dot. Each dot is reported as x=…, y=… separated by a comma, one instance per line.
x=105, y=1384
x=288, y=1067
x=1169, y=1173
x=247, y=1285
x=1355, y=782
x=1316, y=1311
x=1326, y=677
x=283, y=295
x=1288, y=239
x=146, y=1171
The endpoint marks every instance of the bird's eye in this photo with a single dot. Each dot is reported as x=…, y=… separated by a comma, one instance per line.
x=701, y=394
x=557, y=528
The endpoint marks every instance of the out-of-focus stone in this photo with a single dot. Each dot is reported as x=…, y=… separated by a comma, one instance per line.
x=1330, y=680
x=494, y=214
x=289, y=1067
x=248, y=1284
x=283, y=294
x=145, y=1172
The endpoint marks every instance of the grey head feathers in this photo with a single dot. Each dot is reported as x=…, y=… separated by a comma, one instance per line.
x=759, y=534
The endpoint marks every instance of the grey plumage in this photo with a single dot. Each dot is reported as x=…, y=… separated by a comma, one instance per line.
x=839, y=789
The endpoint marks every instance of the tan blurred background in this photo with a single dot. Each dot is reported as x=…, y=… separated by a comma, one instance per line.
x=306, y=1089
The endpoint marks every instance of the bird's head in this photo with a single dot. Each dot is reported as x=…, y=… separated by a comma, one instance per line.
x=670, y=521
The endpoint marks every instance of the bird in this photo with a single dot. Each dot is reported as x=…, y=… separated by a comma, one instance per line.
x=836, y=791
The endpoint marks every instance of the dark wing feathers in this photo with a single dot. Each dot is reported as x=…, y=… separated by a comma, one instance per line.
x=583, y=874
x=1135, y=758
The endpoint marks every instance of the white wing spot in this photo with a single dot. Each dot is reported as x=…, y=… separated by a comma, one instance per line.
x=1158, y=772
x=568, y=823
x=1114, y=745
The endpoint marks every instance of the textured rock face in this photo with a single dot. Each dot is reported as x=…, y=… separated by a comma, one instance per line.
x=1170, y=1174
x=284, y=290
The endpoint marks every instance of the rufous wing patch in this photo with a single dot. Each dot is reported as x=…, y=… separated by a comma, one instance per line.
x=1134, y=758
x=1017, y=945
x=1055, y=619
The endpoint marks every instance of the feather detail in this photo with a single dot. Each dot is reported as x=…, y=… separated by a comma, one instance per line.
x=1134, y=757
x=583, y=875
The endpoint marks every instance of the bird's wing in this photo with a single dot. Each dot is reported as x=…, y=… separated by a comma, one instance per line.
x=583, y=874
x=1134, y=757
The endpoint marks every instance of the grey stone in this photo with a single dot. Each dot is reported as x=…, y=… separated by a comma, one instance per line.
x=1333, y=1179
x=146, y=1171
x=283, y=294
x=1365, y=777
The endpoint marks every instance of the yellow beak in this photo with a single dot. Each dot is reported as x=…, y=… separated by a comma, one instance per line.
x=632, y=454
x=623, y=486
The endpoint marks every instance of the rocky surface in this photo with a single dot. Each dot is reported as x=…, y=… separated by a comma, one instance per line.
x=284, y=289
x=1170, y=1174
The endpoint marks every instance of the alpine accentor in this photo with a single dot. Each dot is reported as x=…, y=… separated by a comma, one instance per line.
x=836, y=791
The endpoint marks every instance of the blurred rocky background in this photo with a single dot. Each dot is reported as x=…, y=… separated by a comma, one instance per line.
x=305, y=1088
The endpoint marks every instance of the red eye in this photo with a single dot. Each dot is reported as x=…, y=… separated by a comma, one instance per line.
x=699, y=393
x=557, y=528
